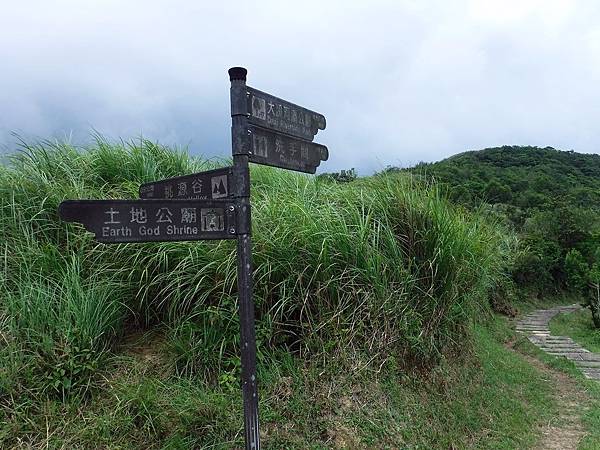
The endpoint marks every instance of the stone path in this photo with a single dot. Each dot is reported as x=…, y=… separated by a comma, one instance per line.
x=536, y=326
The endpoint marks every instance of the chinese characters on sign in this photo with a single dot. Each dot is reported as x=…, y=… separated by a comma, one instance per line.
x=280, y=134
x=153, y=220
x=268, y=111
x=279, y=150
x=212, y=184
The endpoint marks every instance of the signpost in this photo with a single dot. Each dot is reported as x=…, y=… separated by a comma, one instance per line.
x=216, y=204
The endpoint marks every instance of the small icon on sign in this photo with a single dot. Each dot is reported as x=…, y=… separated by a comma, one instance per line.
x=219, y=186
x=260, y=145
x=211, y=219
x=259, y=107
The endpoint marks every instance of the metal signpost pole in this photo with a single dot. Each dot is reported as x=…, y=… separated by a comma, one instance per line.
x=241, y=194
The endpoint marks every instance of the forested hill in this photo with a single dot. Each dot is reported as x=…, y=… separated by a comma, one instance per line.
x=551, y=198
x=526, y=177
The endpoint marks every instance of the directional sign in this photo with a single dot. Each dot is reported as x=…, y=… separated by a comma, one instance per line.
x=153, y=220
x=280, y=150
x=212, y=184
x=268, y=111
x=265, y=130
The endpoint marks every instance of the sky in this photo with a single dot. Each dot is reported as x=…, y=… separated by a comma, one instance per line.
x=399, y=81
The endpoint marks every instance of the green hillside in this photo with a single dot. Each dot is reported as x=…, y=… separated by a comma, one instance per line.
x=551, y=198
x=523, y=177
x=373, y=320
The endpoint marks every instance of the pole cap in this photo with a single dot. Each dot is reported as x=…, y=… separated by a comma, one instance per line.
x=237, y=73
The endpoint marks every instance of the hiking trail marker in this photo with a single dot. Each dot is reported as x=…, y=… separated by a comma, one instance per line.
x=215, y=204
x=212, y=184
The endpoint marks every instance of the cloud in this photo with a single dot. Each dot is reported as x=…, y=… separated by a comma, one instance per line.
x=399, y=81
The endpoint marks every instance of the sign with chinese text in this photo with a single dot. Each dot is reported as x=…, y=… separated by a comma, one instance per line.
x=279, y=150
x=212, y=184
x=280, y=133
x=152, y=220
x=268, y=111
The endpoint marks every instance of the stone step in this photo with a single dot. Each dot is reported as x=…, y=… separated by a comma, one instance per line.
x=565, y=352
x=571, y=356
x=572, y=349
x=533, y=322
x=589, y=364
x=554, y=344
x=593, y=374
x=553, y=340
x=562, y=348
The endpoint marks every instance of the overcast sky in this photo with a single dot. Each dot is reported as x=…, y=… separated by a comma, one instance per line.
x=398, y=81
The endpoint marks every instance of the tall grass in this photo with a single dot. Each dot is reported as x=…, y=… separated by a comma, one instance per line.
x=379, y=266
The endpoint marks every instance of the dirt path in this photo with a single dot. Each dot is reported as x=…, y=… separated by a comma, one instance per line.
x=566, y=430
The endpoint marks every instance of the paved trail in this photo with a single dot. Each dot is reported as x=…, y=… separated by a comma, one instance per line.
x=536, y=325
x=566, y=430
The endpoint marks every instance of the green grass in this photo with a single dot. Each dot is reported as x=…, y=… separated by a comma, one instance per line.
x=390, y=262
x=528, y=303
x=462, y=403
x=369, y=300
x=578, y=326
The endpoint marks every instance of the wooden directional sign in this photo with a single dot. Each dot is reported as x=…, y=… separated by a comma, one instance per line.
x=153, y=220
x=268, y=111
x=212, y=184
x=280, y=150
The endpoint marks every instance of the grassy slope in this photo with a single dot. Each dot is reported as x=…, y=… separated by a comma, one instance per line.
x=579, y=327
x=373, y=343
x=463, y=403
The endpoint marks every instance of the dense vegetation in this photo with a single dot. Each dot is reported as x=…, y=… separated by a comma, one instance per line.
x=376, y=276
x=372, y=298
x=551, y=198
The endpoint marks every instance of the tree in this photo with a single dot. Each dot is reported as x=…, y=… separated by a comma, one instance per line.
x=496, y=192
x=577, y=272
x=594, y=298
